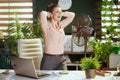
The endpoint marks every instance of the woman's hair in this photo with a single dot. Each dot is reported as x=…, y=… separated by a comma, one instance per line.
x=51, y=7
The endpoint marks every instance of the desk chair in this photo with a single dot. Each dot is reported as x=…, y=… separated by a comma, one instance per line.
x=31, y=48
x=114, y=60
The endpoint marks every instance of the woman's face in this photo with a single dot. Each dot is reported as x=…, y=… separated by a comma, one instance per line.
x=56, y=14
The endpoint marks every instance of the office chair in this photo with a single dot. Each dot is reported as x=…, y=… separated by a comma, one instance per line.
x=31, y=48
x=114, y=60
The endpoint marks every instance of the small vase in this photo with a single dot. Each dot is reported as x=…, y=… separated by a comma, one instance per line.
x=90, y=73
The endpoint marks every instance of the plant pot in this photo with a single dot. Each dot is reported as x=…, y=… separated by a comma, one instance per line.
x=90, y=73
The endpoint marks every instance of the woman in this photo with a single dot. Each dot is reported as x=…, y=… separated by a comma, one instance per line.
x=53, y=30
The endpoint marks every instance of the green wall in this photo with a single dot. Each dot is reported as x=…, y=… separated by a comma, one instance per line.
x=78, y=6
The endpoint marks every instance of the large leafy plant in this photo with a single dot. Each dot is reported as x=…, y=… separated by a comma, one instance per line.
x=102, y=50
x=17, y=30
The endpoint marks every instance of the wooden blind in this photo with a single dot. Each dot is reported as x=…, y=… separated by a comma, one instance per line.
x=23, y=9
x=110, y=20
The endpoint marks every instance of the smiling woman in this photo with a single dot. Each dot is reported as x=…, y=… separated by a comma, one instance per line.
x=53, y=31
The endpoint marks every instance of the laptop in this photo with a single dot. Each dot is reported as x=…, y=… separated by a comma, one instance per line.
x=26, y=67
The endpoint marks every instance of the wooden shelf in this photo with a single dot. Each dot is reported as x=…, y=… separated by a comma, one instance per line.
x=77, y=52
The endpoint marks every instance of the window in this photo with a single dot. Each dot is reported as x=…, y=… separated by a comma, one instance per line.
x=110, y=20
x=8, y=9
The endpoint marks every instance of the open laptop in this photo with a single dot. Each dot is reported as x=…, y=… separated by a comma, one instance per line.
x=25, y=67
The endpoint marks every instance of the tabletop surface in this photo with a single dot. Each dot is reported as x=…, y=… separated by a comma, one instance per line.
x=55, y=75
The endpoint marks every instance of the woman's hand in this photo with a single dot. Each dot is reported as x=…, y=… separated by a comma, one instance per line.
x=48, y=14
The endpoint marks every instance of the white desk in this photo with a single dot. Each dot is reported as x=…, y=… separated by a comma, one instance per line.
x=72, y=75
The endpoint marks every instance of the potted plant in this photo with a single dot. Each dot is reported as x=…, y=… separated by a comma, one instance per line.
x=102, y=51
x=90, y=65
x=17, y=30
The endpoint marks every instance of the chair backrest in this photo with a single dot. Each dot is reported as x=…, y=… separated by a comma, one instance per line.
x=31, y=48
x=114, y=60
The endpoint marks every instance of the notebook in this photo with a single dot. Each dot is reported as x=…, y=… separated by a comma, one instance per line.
x=26, y=67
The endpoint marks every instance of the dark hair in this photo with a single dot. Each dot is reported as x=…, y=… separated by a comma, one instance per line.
x=51, y=7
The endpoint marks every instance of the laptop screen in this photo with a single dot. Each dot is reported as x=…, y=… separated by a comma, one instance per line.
x=25, y=67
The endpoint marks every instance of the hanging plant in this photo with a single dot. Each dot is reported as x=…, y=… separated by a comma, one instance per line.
x=110, y=32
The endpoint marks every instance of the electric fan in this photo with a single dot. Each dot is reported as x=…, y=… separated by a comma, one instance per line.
x=81, y=30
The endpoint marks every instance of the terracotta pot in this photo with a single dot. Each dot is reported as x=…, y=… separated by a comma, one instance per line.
x=90, y=73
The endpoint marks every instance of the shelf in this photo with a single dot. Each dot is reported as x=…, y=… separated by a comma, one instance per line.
x=67, y=52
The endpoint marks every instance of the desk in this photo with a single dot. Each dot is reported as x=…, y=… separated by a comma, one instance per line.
x=72, y=75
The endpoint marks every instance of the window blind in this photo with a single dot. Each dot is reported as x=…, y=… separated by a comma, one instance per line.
x=8, y=8
x=110, y=20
